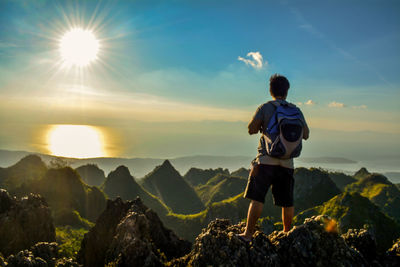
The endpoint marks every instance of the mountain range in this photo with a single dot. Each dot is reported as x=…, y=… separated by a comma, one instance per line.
x=187, y=204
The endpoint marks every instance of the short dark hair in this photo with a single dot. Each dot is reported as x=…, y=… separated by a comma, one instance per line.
x=278, y=85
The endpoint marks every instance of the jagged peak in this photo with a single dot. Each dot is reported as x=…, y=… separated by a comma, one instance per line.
x=167, y=163
x=362, y=172
x=121, y=170
x=165, y=167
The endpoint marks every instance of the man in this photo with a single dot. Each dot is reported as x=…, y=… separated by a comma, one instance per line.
x=269, y=171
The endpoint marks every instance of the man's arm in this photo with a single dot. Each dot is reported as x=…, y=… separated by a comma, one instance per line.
x=306, y=132
x=254, y=126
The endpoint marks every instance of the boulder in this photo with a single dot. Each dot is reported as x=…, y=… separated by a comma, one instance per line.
x=24, y=222
x=130, y=234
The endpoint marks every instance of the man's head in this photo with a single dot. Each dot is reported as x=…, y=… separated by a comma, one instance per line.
x=278, y=86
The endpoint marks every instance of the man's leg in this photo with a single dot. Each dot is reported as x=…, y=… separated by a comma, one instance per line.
x=287, y=216
x=254, y=212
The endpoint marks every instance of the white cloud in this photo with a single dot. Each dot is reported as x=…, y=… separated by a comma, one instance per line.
x=255, y=59
x=360, y=107
x=310, y=103
x=335, y=104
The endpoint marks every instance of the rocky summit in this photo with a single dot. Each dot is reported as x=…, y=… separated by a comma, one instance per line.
x=23, y=222
x=311, y=244
x=130, y=234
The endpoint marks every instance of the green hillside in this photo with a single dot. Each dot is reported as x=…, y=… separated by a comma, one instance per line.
x=380, y=191
x=72, y=202
x=312, y=187
x=351, y=210
x=197, y=176
x=220, y=187
x=91, y=174
x=28, y=169
x=341, y=179
x=121, y=183
x=166, y=183
x=66, y=195
x=242, y=172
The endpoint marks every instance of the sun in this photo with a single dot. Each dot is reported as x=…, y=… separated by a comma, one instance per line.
x=79, y=47
x=76, y=141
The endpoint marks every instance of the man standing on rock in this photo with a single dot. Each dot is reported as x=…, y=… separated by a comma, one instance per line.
x=280, y=141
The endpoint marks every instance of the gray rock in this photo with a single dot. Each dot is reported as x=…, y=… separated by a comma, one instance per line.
x=218, y=245
x=315, y=243
x=130, y=234
x=363, y=241
x=24, y=222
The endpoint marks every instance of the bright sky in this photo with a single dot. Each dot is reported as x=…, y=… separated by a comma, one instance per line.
x=174, y=78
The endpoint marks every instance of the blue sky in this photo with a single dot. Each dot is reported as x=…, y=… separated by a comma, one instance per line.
x=177, y=62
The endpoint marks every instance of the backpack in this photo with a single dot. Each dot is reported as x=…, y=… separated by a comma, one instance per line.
x=284, y=133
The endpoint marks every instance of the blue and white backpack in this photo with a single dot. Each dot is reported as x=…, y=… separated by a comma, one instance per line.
x=284, y=133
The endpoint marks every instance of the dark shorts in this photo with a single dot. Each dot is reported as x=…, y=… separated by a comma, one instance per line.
x=262, y=176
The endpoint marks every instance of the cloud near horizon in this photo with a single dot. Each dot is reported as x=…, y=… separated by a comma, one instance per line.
x=255, y=59
x=335, y=104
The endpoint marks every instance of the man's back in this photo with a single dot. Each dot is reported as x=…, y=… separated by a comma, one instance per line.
x=263, y=114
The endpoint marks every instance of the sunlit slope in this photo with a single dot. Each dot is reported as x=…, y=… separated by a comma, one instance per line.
x=121, y=183
x=351, y=210
x=380, y=191
x=166, y=183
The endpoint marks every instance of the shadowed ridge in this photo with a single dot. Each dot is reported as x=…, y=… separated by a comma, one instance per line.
x=166, y=183
x=91, y=174
x=120, y=183
x=28, y=169
x=196, y=176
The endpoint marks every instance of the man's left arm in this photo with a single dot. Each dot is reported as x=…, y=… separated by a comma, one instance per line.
x=256, y=122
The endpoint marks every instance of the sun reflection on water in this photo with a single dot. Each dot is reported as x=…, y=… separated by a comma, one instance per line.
x=76, y=141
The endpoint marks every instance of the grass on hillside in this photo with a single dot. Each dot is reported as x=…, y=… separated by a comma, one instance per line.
x=69, y=240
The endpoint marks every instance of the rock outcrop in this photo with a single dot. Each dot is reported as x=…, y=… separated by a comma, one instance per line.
x=363, y=241
x=42, y=254
x=23, y=222
x=130, y=234
x=314, y=243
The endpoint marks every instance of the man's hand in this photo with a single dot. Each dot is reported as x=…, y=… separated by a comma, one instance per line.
x=254, y=126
